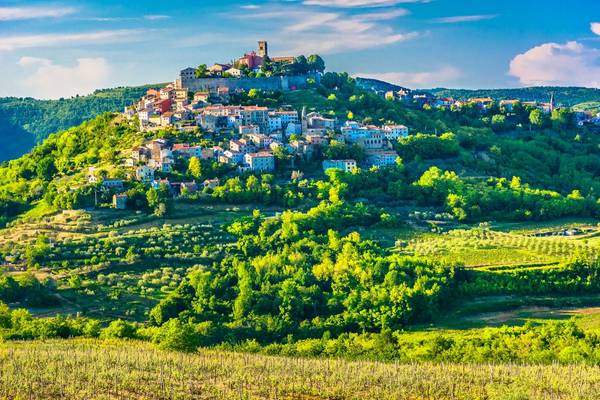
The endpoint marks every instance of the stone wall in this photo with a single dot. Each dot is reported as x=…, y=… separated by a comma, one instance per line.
x=283, y=83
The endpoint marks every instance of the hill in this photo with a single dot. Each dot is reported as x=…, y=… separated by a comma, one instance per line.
x=568, y=96
x=25, y=121
x=464, y=249
x=378, y=85
x=589, y=106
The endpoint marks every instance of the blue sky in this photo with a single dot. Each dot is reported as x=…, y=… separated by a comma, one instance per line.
x=51, y=49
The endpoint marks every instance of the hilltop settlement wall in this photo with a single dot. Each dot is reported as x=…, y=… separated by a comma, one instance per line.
x=280, y=83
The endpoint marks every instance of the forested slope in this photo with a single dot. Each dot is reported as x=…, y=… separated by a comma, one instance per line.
x=25, y=121
x=568, y=96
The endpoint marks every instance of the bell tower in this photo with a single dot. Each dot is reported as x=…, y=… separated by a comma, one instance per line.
x=263, y=49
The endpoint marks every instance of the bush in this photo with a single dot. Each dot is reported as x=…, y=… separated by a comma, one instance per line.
x=120, y=329
x=177, y=335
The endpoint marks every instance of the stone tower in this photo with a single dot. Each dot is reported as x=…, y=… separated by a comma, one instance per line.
x=263, y=49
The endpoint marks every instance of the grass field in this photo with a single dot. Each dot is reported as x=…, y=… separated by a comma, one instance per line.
x=517, y=310
x=86, y=369
x=524, y=245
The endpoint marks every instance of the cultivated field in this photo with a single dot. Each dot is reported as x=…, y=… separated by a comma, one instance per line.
x=111, y=370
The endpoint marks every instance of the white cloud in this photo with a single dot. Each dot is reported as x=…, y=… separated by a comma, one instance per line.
x=554, y=64
x=8, y=43
x=442, y=77
x=250, y=7
x=156, y=17
x=47, y=80
x=358, y=3
x=464, y=18
x=28, y=61
x=20, y=13
x=596, y=28
x=309, y=31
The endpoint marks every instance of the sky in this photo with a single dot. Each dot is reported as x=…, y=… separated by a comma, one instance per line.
x=53, y=49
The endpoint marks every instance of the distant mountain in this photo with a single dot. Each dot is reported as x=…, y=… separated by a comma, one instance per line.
x=15, y=140
x=568, y=96
x=25, y=121
x=377, y=85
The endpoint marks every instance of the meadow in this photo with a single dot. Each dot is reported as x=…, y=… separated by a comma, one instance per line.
x=93, y=369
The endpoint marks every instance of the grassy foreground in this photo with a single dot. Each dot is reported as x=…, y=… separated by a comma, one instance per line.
x=88, y=369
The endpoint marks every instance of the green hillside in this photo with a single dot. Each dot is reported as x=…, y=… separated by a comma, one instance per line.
x=590, y=106
x=567, y=96
x=479, y=244
x=25, y=121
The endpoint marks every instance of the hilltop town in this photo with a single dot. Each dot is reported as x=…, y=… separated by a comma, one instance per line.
x=261, y=139
x=318, y=219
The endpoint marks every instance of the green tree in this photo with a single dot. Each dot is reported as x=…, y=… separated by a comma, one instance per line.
x=46, y=168
x=195, y=167
x=561, y=118
x=316, y=63
x=537, y=118
x=120, y=329
x=179, y=336
x=201, y=71
x=499, y=121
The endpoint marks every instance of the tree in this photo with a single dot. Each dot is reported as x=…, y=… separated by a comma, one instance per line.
x=152, y=198
x=195, y=167
x=179, y=336
x=131, y=255
x=561, y=118
x=499, y=121
x=267, y=65
x=201, y=71
x=537, y=118
x=45, y=169
x=120, y=329
x=299, y=66
x=316, y=63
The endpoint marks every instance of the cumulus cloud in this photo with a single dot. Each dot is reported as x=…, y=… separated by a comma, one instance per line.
x=47, y=80
x=442, y=77
x=596, y=28
x=464, y=18
x=312, y=31
x=554, y=64
x=8, y=43
x=20, y=13
x=358, y=3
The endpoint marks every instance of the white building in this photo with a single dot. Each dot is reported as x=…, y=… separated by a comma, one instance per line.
x=249, y=129
x=381, y=158
x=144, y=115
x=393, y=132
x=144, y=173
x=262, y=161
x=234, y=72
x=274, y=123
x=260, y=141
x=352, y=131
x=315, y=120
x=344, y=165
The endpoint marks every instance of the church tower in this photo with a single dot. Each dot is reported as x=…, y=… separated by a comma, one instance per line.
x=263, y=49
